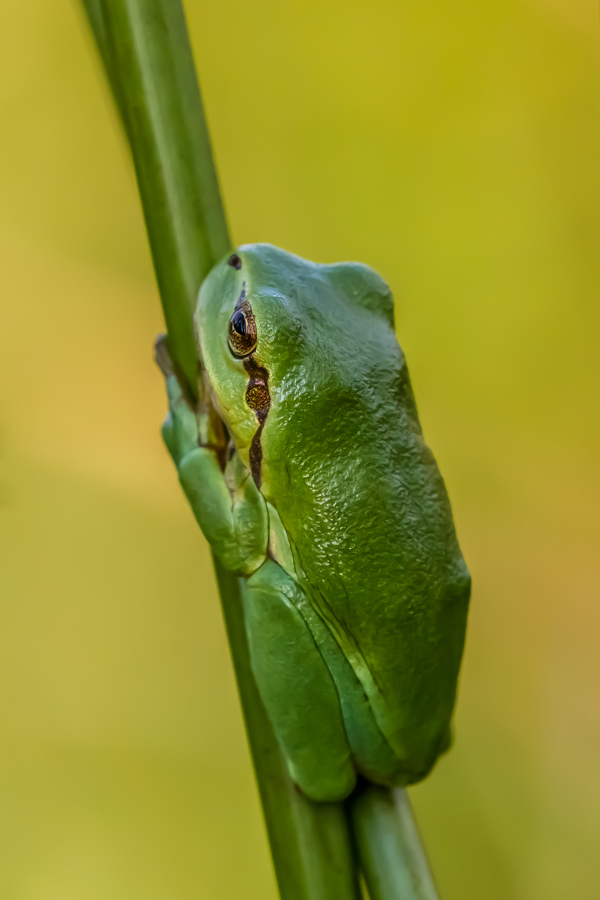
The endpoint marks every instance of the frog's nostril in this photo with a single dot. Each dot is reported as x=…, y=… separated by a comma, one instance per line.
x=235, y=261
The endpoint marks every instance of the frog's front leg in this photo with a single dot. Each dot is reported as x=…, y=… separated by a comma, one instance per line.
x=296, y=686
x=227, y=504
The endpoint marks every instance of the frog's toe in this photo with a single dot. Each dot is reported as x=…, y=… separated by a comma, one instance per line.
x=162, y=356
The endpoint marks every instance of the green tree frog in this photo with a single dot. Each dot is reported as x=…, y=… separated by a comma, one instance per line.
x=330, y=505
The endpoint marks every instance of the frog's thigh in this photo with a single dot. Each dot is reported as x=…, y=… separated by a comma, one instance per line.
x=296, y=687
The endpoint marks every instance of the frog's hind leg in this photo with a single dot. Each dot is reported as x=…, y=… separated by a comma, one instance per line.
x=296, y=687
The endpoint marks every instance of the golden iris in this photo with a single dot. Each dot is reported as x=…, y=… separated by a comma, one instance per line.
x=242, y=331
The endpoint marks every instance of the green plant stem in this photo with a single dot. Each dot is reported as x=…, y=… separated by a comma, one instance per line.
x=145, y=49
x=391, y=856
x=149, y=62
x=311, y=844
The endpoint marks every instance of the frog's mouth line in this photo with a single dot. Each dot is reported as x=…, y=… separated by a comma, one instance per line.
x=258, y=398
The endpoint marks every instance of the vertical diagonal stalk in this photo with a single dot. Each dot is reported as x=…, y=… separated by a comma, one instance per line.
x=391, y=856
x=145, y=49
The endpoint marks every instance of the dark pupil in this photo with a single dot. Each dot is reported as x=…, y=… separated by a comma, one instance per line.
x=238, y=322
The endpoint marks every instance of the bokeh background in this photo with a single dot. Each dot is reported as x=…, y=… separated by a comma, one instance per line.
x=453, y=146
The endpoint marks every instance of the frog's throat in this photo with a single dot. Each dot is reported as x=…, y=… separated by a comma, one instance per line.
x=258, y=399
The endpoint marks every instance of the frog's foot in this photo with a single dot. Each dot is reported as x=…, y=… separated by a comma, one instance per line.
x=296, y=687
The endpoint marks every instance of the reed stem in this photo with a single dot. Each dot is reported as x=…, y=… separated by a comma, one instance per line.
x=391, y=856
x=145, y=49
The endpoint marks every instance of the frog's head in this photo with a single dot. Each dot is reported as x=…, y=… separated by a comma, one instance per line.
x=271, y=324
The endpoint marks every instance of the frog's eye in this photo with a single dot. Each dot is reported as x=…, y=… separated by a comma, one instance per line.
x=242, y=331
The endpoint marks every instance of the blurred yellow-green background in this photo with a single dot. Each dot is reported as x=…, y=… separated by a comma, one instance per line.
x=453, y=146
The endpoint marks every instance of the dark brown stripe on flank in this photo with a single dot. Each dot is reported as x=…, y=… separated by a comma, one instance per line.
x=258, y=398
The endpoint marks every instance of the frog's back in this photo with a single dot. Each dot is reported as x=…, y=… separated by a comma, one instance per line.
x=362, y=499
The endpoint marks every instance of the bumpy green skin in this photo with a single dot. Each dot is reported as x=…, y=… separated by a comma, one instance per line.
x=334, y=509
